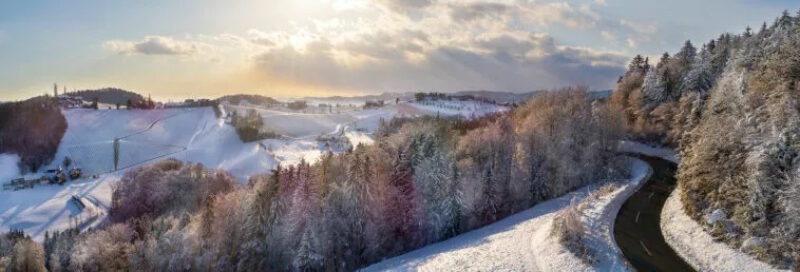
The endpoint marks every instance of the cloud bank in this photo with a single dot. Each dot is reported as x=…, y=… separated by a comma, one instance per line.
x=410, y=45
x=155, y=45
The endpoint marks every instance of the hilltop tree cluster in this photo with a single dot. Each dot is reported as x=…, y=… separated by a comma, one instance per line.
x=250, y=127
x=731, y=108
x=423, y=180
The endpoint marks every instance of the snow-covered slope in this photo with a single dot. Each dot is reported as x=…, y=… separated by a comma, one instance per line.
x=194, y=135
x=521, y=242
x=697, y=247
x=643, y=149
x=189, y=134
x=50, y=207
x=145, y=135
x=8, y=167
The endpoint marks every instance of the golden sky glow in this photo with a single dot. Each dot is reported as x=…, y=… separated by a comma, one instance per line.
x=206, y=48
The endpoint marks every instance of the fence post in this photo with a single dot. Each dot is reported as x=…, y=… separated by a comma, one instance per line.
x=116, y=153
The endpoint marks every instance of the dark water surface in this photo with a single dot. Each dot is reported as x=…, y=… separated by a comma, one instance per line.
x=638, y=229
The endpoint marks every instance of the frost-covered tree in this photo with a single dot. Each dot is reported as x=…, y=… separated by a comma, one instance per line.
x=720, y=54
x=432, y=176
x=306, y=258
x=654, y=88
x=686, y=56
x=700, y=77
x=27, y=255
x=403, y=211
x=741, y=155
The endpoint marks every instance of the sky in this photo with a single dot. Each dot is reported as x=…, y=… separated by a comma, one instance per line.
x=192, y=49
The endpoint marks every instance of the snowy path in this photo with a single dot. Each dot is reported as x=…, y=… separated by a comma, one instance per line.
x=521, y=242
x=598, y=218
x=506, y=245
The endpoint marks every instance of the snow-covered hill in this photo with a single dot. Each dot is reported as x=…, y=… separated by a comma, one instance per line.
x=189, y=134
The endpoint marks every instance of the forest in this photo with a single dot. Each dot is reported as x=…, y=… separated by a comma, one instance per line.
x=33, y=130
x=730, y=108
x=113, y=96
x=424, y=180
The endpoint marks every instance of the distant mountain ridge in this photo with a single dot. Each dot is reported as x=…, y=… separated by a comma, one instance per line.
x=498, y=96
x=250, y=98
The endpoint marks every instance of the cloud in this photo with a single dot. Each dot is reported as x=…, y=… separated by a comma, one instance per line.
x=155, y=45
x=639, y=27
x=607, y=36
x=557, y=12
x=410, y=46
x=601, y=2
x=632, y=43
x=511, y=61
x=478, y=10
x=405, y=5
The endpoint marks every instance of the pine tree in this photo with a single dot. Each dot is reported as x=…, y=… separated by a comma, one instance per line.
x=488, y=209
x=637, y=64
x=654, y=89
x=719, y=55
x=306, y=257
x=685, y=57
x=700, y=77
x=785, y=20
x=663, y=61
x=207, y=218
x=402, y=210
x=432, y=178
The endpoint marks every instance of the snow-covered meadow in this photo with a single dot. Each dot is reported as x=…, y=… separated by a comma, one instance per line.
x=190, y=134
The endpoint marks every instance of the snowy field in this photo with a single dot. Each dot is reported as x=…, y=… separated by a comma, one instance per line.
x=188, y=134
x=308, y=123
x=522, y=242
x=8, y=166
x=466, y=109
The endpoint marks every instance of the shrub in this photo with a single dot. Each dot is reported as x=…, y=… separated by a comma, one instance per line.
x=570, y=231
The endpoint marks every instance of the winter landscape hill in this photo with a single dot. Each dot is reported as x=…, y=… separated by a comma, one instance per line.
x=690, y=163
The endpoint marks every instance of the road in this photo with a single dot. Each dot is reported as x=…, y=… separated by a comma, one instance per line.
x=638, y=230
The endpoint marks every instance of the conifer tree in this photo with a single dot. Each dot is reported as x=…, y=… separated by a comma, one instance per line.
x=700, y=77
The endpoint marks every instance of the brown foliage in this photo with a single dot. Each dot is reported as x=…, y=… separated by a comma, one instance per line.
x=32, y=129
x=166, y=186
